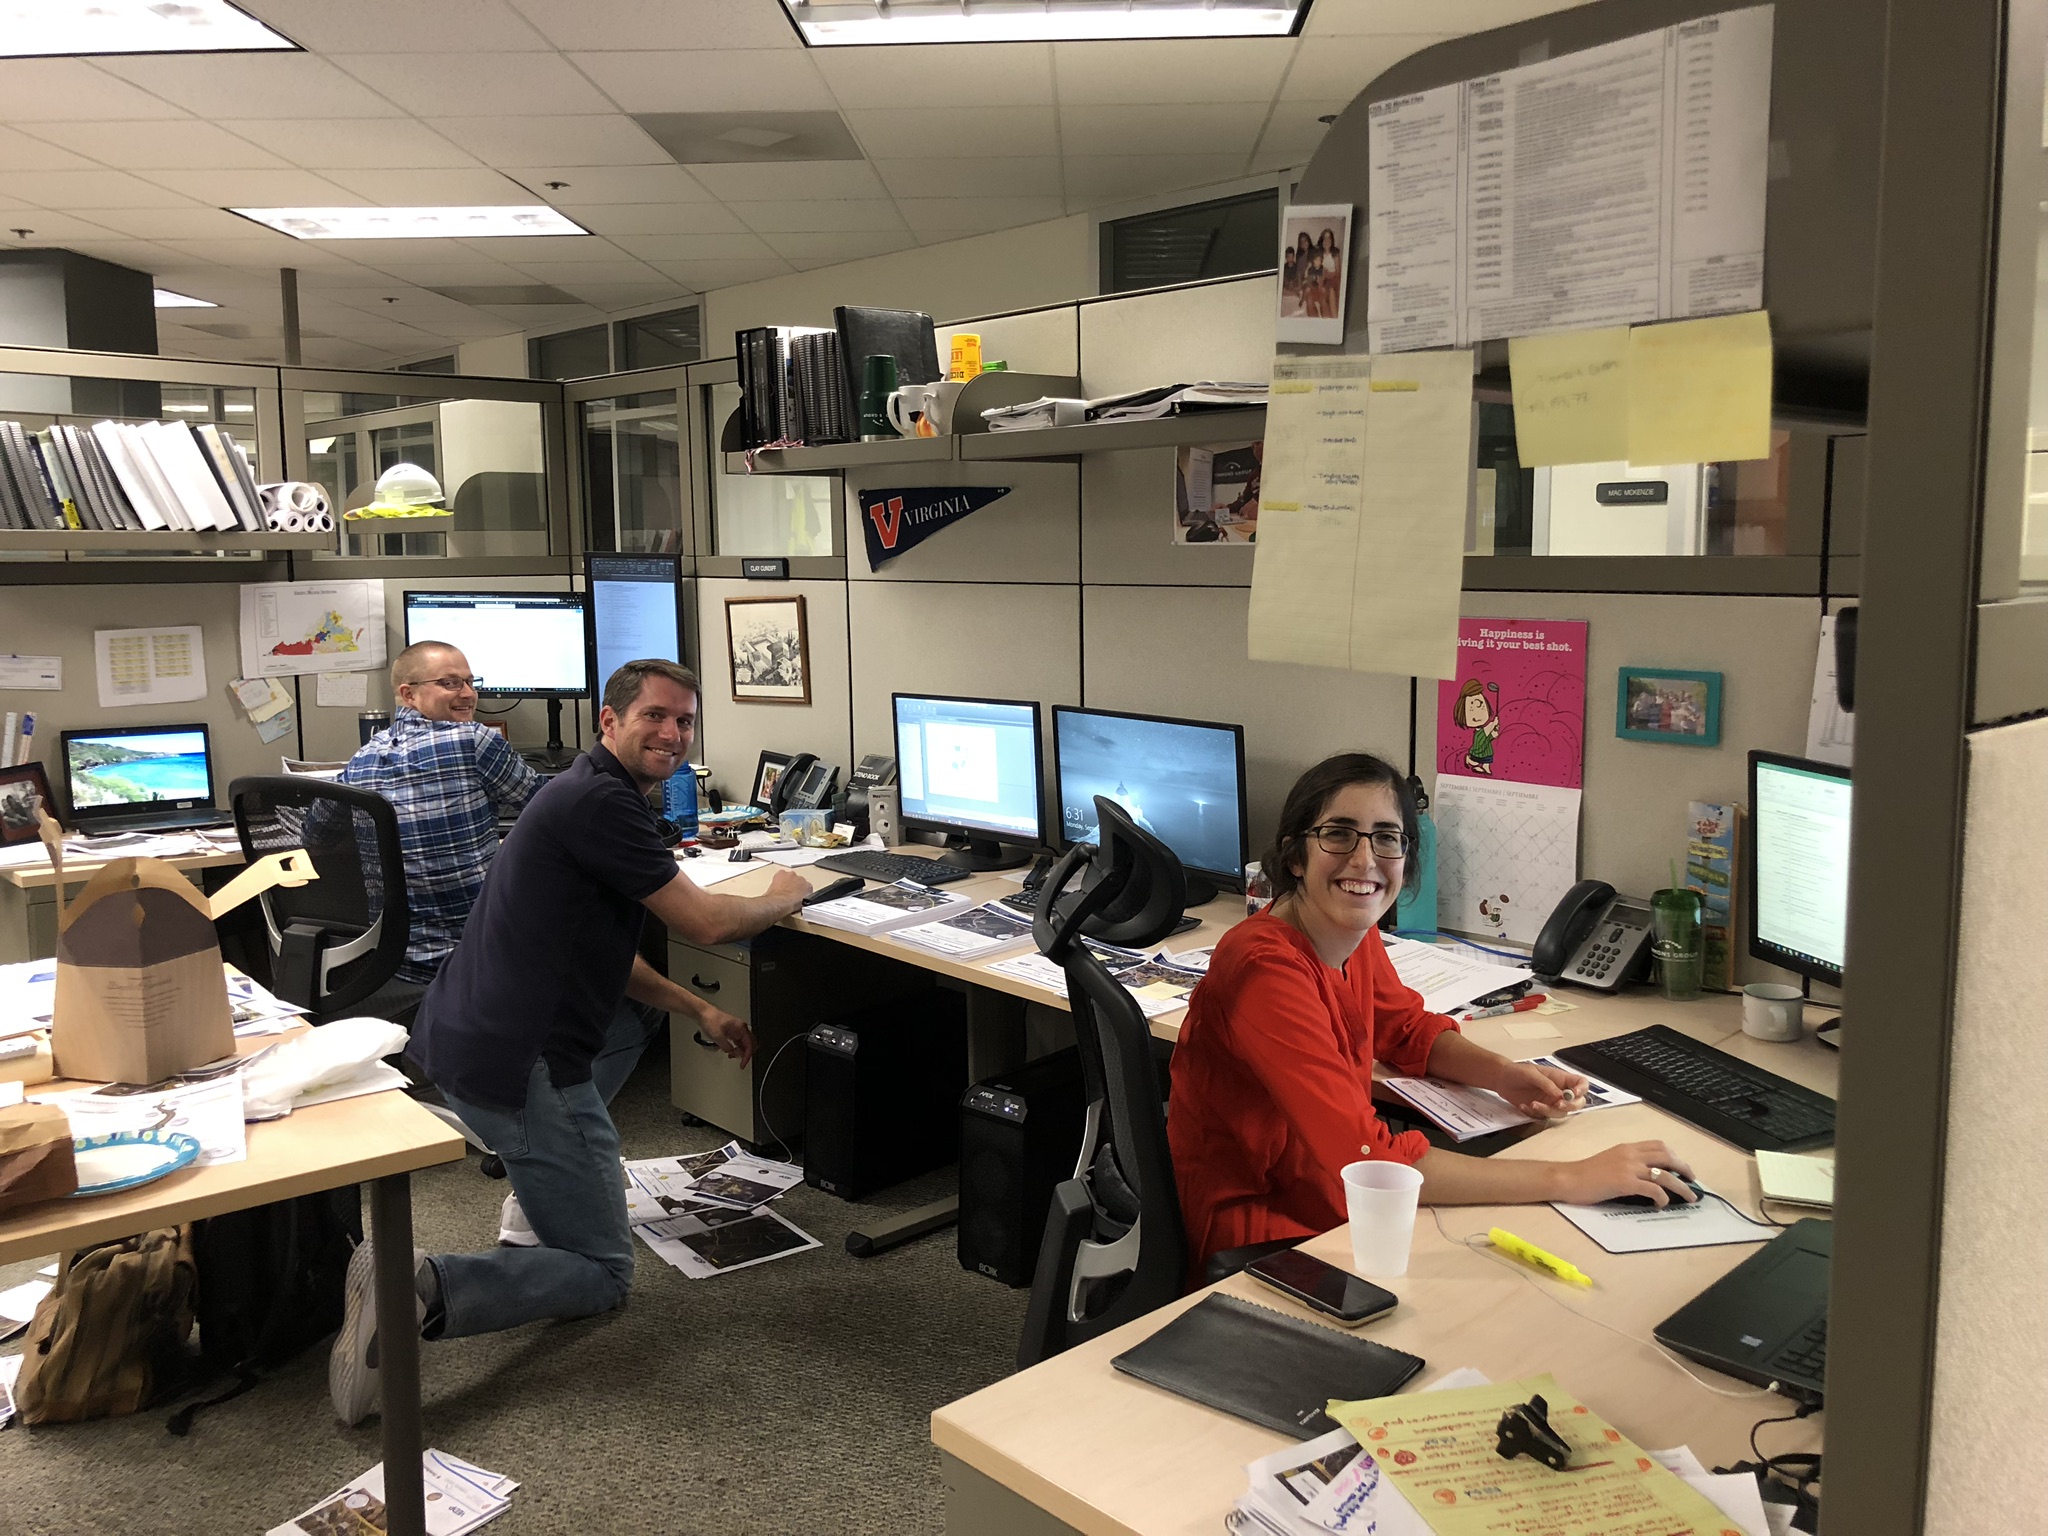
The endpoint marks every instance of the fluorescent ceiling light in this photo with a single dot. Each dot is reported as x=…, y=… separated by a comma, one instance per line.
x=165, y=299
x=412, y=223
x=31, y=29
x=851, y=23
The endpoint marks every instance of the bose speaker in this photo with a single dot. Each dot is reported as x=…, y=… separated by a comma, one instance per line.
x=1019, y=1136
x=885, y=813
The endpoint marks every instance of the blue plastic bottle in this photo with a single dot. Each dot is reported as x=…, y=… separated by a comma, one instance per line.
x=1416, y=909
x=679, y=801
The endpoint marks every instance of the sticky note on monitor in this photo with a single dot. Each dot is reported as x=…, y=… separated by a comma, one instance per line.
x=1571, y=397
x=1699, y=391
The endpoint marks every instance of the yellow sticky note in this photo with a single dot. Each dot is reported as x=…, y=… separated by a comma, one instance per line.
x=1571, y=397
x=1165, y=991
x=1700, y=390
x=1527, y=1028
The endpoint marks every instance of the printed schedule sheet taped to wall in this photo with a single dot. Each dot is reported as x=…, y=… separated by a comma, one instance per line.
x=1618, y=184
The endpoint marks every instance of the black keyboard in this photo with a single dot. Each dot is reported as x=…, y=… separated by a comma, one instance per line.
x=1755, y=1109
x=1806, y=1355
x=873, y=864
x=1024, y=901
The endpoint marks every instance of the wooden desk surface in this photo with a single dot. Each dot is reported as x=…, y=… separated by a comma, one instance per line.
x=40, y=877
x=1112, y=1456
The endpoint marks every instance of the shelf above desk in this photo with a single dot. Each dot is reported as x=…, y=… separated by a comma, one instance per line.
x=1232, y=424
x=157, y=541
x=833, y=457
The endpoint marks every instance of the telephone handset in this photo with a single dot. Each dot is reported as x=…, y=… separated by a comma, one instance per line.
x=805, y=784
x=1595, y=938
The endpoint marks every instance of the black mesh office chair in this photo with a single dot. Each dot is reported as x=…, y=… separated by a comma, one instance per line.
x=336, y=940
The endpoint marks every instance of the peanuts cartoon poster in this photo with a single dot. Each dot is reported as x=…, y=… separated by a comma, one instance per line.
x=1510, y=762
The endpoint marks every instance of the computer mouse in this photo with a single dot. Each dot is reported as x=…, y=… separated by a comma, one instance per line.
x=740, y=855
x=1698, y=1194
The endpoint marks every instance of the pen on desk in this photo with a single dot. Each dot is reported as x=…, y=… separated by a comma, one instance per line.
x=1529, y=1253
x=1519, y=1005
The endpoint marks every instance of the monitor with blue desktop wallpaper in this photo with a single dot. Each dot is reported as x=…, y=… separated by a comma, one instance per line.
x=118, y=771
x=1181, y=780
x=1797, y=864
x=970, y=768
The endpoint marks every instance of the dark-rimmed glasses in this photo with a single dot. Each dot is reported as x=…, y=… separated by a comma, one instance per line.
x=1341, y=839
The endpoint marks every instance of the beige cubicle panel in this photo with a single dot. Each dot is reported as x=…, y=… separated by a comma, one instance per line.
x=1179, y=336
x=1031, y=535
x=1127, y=526
x=1180, y=651
x=1034, y=341
x=734, y=734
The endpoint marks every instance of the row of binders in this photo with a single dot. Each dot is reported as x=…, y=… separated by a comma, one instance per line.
x=800, y=385
x=117, y=477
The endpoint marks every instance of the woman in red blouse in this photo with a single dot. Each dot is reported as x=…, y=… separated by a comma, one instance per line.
x=1272, y=1078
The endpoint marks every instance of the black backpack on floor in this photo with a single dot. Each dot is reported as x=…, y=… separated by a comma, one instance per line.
x=270, y=1285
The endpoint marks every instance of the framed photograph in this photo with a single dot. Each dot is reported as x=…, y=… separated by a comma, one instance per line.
x=766, y=772
x=23, y=791
x=770, y=649
x=1315, y=270
x=1681, y=709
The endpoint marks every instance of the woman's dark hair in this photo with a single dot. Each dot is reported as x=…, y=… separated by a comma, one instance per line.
x=1311, y=797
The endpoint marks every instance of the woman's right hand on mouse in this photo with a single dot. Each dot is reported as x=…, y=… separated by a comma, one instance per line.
x=1646, y=1168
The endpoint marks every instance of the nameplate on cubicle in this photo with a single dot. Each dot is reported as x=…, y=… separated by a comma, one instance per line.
x=1632, y=493
x=765, y=569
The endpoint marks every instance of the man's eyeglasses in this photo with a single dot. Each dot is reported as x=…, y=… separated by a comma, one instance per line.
x=1340, y=839
x=452, y=684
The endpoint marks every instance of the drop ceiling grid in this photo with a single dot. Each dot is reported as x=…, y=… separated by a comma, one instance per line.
x=470, y=101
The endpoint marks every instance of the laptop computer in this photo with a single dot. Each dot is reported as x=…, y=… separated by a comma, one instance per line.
x=1766, y=1320
x=140, y=778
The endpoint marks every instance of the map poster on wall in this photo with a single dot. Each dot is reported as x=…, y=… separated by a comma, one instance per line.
x=1516, y=708
x=296, y=627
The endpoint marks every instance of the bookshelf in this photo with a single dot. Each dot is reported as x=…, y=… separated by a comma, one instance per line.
x=988, y=392
x=1233, y=424
x=157, y=541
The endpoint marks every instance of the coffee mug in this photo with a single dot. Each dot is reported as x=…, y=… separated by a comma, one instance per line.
x=1772, y=1011
x=911, y=410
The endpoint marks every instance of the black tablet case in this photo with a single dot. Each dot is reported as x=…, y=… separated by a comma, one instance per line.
x=1275, y=1370
x=904, y=334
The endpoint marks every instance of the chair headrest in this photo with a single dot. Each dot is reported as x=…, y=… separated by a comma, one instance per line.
x=1131, y=888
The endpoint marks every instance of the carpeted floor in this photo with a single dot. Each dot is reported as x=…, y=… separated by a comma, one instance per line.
x=792, y=1397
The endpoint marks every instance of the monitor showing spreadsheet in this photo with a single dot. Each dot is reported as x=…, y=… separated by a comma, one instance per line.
x=1798, y=864
x=527, y=645
x=635, y=612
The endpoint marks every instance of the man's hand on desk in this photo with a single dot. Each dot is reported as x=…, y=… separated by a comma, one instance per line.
x=789, y=888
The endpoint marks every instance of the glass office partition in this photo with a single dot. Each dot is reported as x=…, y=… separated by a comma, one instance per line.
x=633, y=473
x=790, y=515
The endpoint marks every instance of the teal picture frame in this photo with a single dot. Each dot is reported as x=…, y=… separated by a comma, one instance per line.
x=1670, y=705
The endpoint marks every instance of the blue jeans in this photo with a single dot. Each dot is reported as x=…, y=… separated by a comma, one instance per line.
x=631, y=1028
x=561, y=1152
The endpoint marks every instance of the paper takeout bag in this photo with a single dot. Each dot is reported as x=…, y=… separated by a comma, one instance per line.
x=35, y=1155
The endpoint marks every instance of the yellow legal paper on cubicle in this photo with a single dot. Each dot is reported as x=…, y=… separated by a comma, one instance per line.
x=1571, y=397
x=1438, y=1448
x=1700, y=390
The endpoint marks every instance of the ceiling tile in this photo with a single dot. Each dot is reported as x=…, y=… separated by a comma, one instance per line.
x=256, y=84
x=765, y=181
x=703, y=276
x=618, y=221
x=19, y=152
x=1293, y=134
x=968, y=75
x=725, y=80
x=631, y=25
x=257, y=252
x=1164, y=130
x=510, y=141
x=520, y=250
x=1096, y=179
x=1008, y=176
x=403, y=255
x=354, y=143
x=162, y=145
x=810, y=214
x=47, y=227
x=139, y=254
x=189, y=223
x=662, y=250
x=840, y=245
x=569, y=273
x=973, y=215
x=70, y=90
x=903, y=133
x=477, y=187
x=481, y=85
x=1170, y=70
x=617, y=296
x=1341, y=67
x=446, y=26
x=87, y=189
x=444, y=272
x=258, y=189
x=608, y=184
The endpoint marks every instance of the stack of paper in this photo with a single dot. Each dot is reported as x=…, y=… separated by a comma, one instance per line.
x=1175, y=400
x=1449, y=976
x=460, y=1498
x=881, y=908
x=1329, y=1484
x=1159, y=985
x=1466, y=1112
x=969, y=935
x=706, y=1213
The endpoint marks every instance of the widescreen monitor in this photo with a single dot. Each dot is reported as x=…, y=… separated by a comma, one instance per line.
x=118, y=771
x=1181, y=780
x=524, y=645
x=1798, y=864
x=635, y=612
x=970, y=768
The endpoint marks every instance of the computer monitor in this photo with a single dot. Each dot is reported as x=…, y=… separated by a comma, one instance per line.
x=1797, y=864
x=970, y=768
x=1181, y=780
x=524, y=645
x=635, y=612
x=128, y=772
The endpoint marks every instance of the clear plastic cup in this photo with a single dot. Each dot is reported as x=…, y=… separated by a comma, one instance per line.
x=1381, y=1198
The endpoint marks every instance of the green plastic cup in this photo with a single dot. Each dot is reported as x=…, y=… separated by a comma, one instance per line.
x=1678, y=942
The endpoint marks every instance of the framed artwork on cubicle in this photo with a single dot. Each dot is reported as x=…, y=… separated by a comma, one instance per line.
x=1315, y=270
x=1680, y=709
x=23, y=792
x=770, y=649
x=766, y=772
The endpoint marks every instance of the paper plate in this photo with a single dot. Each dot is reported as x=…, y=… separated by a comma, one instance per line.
x=129, y=1158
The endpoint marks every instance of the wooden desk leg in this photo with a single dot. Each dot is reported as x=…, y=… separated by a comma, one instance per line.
x=398, y=1351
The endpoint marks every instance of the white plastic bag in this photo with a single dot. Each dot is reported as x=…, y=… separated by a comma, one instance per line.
x=320, y=1058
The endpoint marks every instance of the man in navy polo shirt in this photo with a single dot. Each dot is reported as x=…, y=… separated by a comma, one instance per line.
x=510, y=1026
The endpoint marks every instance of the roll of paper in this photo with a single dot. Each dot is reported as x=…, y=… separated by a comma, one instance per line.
x=296, y=506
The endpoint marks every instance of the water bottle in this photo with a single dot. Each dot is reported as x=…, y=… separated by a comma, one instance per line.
x=1415, y=910
x=679, y=801
x=1258, y=890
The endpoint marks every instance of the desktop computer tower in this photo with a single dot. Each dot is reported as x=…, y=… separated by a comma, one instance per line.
x=881, y=1093
x=1019, y=1135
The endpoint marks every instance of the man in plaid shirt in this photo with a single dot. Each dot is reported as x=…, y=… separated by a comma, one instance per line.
x=449, y=779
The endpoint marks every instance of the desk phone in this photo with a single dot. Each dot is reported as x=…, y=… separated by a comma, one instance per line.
x=1595, y=938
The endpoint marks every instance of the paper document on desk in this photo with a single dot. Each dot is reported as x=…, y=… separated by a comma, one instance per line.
x=1449, y=976
x=1158, y=985
x=969, y=935
x=881, y=908
x=714, y=869
x=1465, y=1112
x=1710, y=1222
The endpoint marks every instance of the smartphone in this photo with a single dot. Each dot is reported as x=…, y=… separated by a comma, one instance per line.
x=1330, y=1290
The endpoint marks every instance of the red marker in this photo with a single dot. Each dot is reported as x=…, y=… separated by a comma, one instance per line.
x=1519, y=1005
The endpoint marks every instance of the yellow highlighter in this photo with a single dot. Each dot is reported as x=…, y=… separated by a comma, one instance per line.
x=1529, y=1253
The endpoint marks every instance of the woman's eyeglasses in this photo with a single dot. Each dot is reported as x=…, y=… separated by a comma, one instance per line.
x=1338, y=838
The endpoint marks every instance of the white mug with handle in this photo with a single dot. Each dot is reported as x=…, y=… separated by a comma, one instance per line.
x=910, y=410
